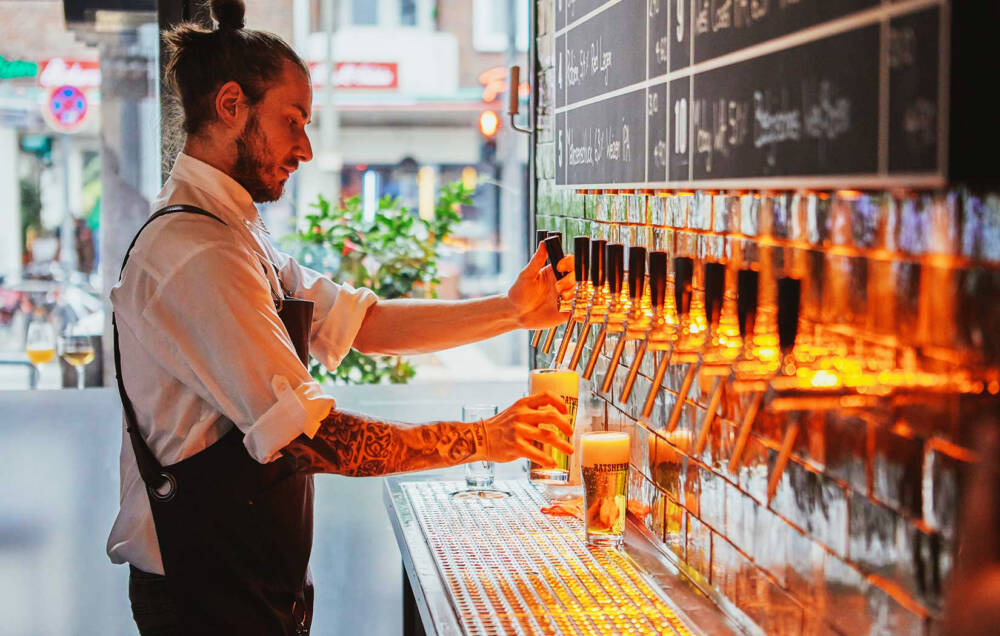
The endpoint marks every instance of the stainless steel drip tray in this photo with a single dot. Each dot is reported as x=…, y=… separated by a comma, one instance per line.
x=506, y=568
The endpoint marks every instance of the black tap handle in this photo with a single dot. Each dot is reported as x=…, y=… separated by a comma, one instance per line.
x=553, y=246
x=597, y=262
x=657, y=278
x=715, y=285
x=636, y=272
x=614, y=255
x=551, y=233
x=789, y=297
x=747, y=283
x=581, y=256
x=683, y=283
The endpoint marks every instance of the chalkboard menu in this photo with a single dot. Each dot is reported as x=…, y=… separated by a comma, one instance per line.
x=750, y=93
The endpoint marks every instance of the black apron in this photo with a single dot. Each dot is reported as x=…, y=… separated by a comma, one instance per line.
x=235, y=534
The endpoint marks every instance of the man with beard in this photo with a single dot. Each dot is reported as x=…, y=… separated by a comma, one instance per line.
x=224, y=427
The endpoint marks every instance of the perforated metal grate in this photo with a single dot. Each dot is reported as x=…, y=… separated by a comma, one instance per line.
x=512, y=570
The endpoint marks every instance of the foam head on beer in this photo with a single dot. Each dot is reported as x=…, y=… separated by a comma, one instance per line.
x=604, y=448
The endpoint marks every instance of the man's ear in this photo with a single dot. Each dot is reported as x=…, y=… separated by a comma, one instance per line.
x=230, y=105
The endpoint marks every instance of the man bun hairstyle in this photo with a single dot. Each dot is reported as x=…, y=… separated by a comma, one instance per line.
x=229, y=14
x=200, y=61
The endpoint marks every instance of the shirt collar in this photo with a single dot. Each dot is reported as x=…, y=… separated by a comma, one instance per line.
x=216, y=184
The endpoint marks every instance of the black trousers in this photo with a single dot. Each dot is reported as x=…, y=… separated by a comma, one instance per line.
x=152, y=605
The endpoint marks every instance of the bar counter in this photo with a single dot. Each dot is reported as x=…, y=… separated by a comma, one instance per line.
x=500, y=566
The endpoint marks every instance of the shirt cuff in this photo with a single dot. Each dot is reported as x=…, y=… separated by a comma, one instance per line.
x=338, y=329
x=295, y=412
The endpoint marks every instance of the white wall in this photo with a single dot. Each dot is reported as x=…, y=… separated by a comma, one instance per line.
x=10, y=205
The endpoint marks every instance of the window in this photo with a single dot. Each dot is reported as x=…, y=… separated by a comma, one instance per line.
x=364, y=12
x=408, y=12
x=490, y=25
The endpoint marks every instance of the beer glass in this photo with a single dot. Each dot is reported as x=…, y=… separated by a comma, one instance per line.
x=565, y=384
x=479, y=474
x=604, y=466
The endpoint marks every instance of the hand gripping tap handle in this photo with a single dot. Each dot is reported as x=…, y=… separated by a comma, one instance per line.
x=598, y=275
x=614, y=258
x=683, y=290
x=789, y=298
x=540, y=236
x=581, y=257
x=553, y=247
x=636, y=282
x=657, y=296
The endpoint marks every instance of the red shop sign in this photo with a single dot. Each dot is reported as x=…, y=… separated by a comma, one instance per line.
x=358, y=75
x=59, y=71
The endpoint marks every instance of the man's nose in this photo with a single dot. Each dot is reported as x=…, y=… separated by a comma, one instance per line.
x=303, y=149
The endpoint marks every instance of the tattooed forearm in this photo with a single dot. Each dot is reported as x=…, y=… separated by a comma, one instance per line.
x=358, y=445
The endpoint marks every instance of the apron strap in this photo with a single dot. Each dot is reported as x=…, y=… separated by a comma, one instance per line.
x=160, y=484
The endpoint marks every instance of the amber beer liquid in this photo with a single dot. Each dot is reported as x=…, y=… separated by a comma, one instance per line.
x=604, y=464
x=565, y=384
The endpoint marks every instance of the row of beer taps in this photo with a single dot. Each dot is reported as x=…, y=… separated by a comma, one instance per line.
x=721, y=336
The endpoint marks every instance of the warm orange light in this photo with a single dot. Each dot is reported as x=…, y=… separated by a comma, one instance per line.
x=489, y=123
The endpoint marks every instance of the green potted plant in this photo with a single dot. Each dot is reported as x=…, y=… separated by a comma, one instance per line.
x=395, y=254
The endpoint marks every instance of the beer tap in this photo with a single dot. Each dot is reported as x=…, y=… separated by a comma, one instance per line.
x=540, y=236
x=581, y=298
x=757, y=376
x=726, y=344
x=618, y=302
x=638, y=315
x=683, y=342
x=662, y=327
x=554, y=252
x=598, y=308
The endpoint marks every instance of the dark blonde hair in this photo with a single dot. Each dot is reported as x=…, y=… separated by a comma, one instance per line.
x=201, y=61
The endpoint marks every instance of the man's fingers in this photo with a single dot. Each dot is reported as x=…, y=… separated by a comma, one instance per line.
x=547, y=416
x=566, y=284
x=566, y=264
x=545, y=398
x=544, y=436
x=534, y=454
x=537, y=261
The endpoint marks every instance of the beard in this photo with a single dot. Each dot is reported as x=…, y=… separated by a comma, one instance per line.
x=254, y=164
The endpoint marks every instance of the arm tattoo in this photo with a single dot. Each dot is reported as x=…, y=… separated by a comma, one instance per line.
x=358, y=445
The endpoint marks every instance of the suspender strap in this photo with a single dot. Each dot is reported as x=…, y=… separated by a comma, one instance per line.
x=150, y=468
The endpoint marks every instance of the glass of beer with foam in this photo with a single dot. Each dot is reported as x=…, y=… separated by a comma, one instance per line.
x=566, y=385
x=604, y=464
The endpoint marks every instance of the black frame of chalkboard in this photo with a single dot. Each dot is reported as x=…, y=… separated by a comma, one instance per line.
x=955, y=150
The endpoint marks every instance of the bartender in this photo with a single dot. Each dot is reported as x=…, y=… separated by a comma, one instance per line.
x=224, y=426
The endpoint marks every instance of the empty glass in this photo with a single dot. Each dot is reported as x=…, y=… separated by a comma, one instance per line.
x=479, y=474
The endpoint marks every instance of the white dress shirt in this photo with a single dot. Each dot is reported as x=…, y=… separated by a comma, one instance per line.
x=200, y=338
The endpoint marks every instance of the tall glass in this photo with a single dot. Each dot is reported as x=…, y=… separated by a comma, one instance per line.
x=479, y=474
x=79, y=352
x=565, y=384
x=604, y=464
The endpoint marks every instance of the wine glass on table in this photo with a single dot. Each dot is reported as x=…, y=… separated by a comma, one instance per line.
x=78, y=350
x=40, y=344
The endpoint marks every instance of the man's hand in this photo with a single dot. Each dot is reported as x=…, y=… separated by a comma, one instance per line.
x=535, y=294
x=511, y=434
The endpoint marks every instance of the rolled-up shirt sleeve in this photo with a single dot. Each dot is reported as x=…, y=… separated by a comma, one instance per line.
x=227, y=343
x=339, y=311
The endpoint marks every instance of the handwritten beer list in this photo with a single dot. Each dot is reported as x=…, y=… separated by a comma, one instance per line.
x=748, y=93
